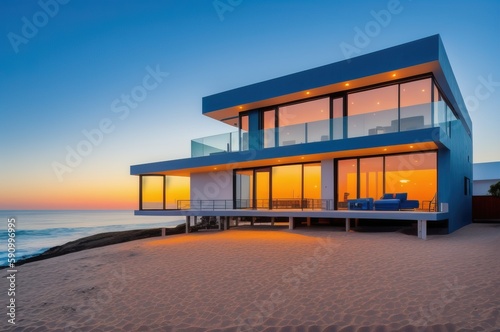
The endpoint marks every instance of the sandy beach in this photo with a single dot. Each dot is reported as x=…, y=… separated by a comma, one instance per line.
x=268, y=280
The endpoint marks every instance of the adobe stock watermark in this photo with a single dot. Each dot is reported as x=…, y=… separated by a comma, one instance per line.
x=121, y=107
x=485, y=88
x=223, y=6
x=363, y=37
x=30, y=27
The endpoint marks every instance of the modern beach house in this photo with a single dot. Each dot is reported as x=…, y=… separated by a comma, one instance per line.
x=382, y=136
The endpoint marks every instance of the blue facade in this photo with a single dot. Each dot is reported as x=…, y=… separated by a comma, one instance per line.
x=441, y=128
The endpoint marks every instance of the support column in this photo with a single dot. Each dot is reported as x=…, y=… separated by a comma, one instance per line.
x=290, y=223
x=237, y=221
x=347, y=225
x=422, y=229
x=219, y=222
x=226, y=223
x=188, y=219
x=252, y=221
x=272, y=221
x=308, y=221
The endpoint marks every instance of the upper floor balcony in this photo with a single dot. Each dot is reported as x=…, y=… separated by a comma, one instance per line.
x=436, y=114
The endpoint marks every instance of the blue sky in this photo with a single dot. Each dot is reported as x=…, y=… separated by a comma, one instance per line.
x=63, y=77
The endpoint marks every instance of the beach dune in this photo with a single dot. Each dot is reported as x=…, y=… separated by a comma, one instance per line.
x=270, y=280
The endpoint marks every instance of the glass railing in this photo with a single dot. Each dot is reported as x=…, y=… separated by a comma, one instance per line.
x=216, y=144
x=374, y=123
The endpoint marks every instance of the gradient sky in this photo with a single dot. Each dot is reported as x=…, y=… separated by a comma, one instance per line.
x=68, y=74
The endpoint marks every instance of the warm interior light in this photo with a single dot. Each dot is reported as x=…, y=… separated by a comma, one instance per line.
x=385, y=149
x=241, y=107
x=347, y=84
x=404, y=181
x=411, y=146
x=393, y=75
x=308, y=92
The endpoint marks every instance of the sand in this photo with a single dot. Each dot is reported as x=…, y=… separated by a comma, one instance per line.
x=269, y=280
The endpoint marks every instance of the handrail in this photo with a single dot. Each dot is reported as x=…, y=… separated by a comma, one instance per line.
x=278, y=203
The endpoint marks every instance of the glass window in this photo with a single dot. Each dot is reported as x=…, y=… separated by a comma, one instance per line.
x=244, y=133
x=152, y=192
x=287, y=182
x=371, y=177
x=268, y=126
x=262, y=190
x=347, y=181
x=244, y=189
x=177, y=188
x=292, y=121
x=415, y=103
x=312, y=181
x=338, y=118
x=415, y=174
x=373, y=111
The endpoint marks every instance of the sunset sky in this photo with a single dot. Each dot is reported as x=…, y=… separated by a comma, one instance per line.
x=122, y=81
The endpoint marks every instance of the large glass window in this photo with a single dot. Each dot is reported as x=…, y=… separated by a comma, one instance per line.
x=244, y=139
x=347, y=181
x=244, y=189
x=262, y=189
x=312, y=181
x=415, y=174
x=338, y=118
x=371, y=177
x=373, y=111
x=304, y=122
x=177, y=188
x=415, y=103
x=152, y=192
x=287, y=182
x=268, y=126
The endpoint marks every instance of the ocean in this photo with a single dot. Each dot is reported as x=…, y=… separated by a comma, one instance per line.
x=39, y=230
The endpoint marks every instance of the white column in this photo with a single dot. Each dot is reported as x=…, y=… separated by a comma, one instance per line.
x=422, y=229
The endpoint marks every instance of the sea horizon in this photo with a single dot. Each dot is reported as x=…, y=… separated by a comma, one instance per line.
x=39, y=230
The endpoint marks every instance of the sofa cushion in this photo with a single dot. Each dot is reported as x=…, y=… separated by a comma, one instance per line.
x=402, y=196
x=387, y=204
x=409, y=204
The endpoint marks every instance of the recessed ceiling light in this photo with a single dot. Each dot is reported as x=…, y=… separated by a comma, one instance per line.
x=347, y=84
x=308, y=92
x=393, y=75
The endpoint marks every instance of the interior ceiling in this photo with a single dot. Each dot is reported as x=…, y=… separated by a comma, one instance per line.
x=306, y=158
x=229, y=114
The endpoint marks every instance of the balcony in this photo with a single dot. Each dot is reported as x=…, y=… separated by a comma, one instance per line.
x=415, y=117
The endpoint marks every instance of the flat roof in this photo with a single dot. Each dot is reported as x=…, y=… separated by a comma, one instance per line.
x=421, y=56
x=486, y=171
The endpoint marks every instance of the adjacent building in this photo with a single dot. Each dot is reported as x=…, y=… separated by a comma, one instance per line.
x=391, y=121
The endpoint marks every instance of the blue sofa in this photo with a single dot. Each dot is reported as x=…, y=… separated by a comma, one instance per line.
x=395, y=202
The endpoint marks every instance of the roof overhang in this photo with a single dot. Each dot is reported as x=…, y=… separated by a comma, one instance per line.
x=412, y=141
x=422, y=56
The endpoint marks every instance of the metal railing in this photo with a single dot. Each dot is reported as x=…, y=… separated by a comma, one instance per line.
x=265, y=204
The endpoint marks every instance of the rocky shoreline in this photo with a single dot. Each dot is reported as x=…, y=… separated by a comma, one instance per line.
x=101, y=240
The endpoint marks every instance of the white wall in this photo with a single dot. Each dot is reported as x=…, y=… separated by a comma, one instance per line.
x=212, y=185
